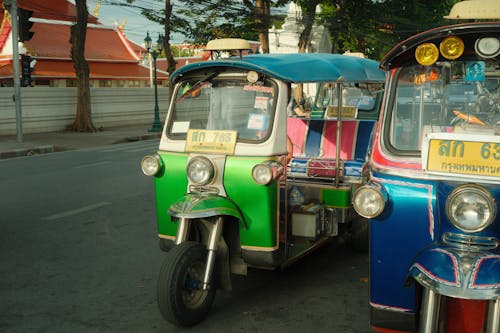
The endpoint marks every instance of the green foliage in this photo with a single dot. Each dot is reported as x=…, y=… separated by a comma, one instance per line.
x=368, y=26
x=373, y=27
x=210, y=19
x=181, y=52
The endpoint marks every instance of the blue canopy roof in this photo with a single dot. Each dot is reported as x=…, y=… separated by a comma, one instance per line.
x=297, y=67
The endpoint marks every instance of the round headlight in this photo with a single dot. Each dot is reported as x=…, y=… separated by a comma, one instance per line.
x=470, y=208
x=369, y=201
x=150, y=165
x=200, y=170
x=262, y=174
x=487, y=47
x=427, y=54
x=451, y=47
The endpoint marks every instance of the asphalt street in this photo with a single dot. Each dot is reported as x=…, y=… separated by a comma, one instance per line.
x=79, y=253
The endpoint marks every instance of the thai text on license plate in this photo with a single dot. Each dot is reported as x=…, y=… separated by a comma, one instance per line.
x=209, y=141
x=464, y=157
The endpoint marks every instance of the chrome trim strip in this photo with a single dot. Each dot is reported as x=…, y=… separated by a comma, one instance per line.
x=470, y=242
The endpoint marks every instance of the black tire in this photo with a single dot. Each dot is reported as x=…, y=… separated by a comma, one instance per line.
x=165, y=244
x=360, y=234
x=180, y=298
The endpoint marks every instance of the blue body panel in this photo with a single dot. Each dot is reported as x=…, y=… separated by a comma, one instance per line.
x=406, y=241
x=313, y=138
x=395, y=239
x=364, y=139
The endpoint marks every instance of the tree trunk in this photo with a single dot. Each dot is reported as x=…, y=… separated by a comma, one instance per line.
x=262, y=19
x=308, y=14
x=166, y=41
x=83, y=118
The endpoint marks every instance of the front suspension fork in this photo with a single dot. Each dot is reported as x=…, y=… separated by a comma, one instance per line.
x=214, y=236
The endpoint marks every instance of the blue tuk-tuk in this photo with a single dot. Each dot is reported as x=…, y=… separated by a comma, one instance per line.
x=434, y=183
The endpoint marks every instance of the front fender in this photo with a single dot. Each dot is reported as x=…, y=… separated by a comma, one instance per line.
x=200, y=206
x=458, y=273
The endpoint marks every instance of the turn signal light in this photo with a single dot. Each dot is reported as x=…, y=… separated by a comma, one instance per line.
x=427, y=54
x=451, y=47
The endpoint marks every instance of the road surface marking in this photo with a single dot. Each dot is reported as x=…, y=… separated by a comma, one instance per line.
x=91, y=164
x=76, y=211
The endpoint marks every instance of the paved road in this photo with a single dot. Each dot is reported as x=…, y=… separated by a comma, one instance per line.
x=79, y=253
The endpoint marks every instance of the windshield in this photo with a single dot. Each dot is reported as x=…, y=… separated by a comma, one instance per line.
x=448, y=97
x=363, y=97
x=224, y=102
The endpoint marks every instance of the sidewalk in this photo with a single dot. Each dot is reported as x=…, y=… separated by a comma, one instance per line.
x=41, y=143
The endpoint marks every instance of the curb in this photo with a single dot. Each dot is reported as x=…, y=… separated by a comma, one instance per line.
x=44, y=149
x=27, y=151
x=143, y=137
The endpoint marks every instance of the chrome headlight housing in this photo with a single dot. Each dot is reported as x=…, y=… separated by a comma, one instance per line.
x=151, y=165
x=265, y=173
x=200, y=170
x=487, y=47
x=471, y=208
x=262, y=174
x=370, y=200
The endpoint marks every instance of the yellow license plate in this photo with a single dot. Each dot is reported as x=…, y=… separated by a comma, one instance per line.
x=347, y=111
x=208, y=141
x=464, y=157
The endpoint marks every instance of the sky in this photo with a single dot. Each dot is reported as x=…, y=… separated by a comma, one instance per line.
x=136, y=25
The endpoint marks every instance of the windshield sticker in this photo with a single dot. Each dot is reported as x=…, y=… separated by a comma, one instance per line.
x=180, y=127
x=474, y=71
x=252, y=87
x=258, y=122
x=261, y=102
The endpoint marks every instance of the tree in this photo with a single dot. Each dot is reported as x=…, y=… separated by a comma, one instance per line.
x=373, y=27
x=166, y=41
x=83, y=118
x=170, y=22
x=247, y=19
x=262, y=12
x=308, y=9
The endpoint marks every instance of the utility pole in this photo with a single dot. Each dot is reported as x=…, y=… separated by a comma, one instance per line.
x=11, y=5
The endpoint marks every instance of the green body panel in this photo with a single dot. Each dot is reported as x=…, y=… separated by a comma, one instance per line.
x=255, y=205
x=338, y=198
x=258, y=203
x=199, y=206
x=170, y=185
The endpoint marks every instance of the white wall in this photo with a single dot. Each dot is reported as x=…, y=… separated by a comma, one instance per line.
x=46, y=109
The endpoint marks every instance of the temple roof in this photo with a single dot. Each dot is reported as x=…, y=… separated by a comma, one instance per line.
x=62, y=10
x=109, y=53
x=51, y=40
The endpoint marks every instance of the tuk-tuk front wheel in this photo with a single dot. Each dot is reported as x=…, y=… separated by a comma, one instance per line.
x=181, y=299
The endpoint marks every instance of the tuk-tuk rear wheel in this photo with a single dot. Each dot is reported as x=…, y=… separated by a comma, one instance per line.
x=180, y=298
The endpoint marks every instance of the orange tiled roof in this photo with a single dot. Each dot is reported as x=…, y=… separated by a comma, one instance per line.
x=51, y=40
x=5, y=28
x=52, y=9
x=109, y=53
